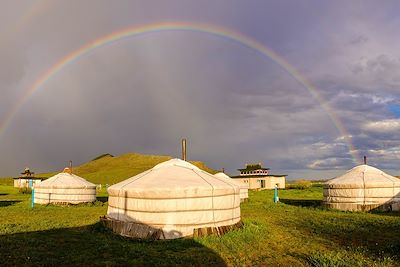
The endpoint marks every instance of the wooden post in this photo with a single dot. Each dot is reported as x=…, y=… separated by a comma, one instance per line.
x=365, y=160
x=184, y=149
x=70, y=166
x=33, y=197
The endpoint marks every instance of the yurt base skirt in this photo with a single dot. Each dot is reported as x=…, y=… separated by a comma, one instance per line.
x=143, y=231
x=64, y=200
x=393, y=206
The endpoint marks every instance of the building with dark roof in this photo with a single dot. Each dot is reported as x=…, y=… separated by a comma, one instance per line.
x=25, y=177
x=258, y=178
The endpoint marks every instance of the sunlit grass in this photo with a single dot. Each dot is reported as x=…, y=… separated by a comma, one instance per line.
x=298, y=233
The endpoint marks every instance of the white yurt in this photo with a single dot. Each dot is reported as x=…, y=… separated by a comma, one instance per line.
x=363, y=188
x=172, y=200
x=65, y=188
x=244, y=188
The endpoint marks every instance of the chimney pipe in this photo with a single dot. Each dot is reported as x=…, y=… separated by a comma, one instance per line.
x=184, y=149
x=365, y=160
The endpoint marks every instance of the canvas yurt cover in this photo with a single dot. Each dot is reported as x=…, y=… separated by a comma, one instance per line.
x=172, y=200
x=363, y=188
x=244, y=188
x=65, y=188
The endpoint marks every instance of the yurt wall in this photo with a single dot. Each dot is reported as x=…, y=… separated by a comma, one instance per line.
x=363, y=188
x=65, y=188
x=174, y=199
x=244, y=188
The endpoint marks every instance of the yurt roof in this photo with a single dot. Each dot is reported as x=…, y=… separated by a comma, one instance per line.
x=176, y=162
x=65, y=180
x=224, y=176
x=174, y=178
x=363, y=176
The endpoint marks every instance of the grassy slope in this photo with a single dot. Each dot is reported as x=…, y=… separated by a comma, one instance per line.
x=6, y=181
x=296, y=232
x=110, y=170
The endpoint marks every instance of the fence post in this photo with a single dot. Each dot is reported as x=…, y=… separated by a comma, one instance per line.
x=276, y=198
x=33, y=192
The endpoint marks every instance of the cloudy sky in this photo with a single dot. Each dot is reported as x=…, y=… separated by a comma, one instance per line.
x=233, y=104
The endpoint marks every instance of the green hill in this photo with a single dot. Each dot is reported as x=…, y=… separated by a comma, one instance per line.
x=103, y=156
x=109, y=169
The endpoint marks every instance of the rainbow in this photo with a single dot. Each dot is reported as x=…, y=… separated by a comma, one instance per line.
x=32, y=11
x=181, y=26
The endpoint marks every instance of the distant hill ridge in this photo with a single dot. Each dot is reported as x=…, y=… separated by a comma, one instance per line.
x=109, y=169
x=103, y=156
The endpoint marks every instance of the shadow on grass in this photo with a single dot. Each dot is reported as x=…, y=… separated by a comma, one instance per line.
x=96, y=246
x=385, y=213
x=6, y=203
x=370, y=235
x=102, y=199
x=302, y=202
x=4, y=194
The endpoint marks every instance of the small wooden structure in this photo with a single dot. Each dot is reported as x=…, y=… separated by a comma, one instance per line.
x=27, y=176
x=259, y=178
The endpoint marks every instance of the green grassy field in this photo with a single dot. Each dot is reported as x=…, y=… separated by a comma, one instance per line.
x=295, y=232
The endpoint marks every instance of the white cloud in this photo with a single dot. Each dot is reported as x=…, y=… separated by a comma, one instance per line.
x=328, y=163
x=392, y=153
x=384, y=126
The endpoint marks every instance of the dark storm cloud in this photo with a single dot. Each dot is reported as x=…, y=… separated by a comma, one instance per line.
x=234, y=105
x=360, y=39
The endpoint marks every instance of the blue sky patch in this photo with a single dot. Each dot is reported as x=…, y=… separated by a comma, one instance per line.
x=395, y=109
